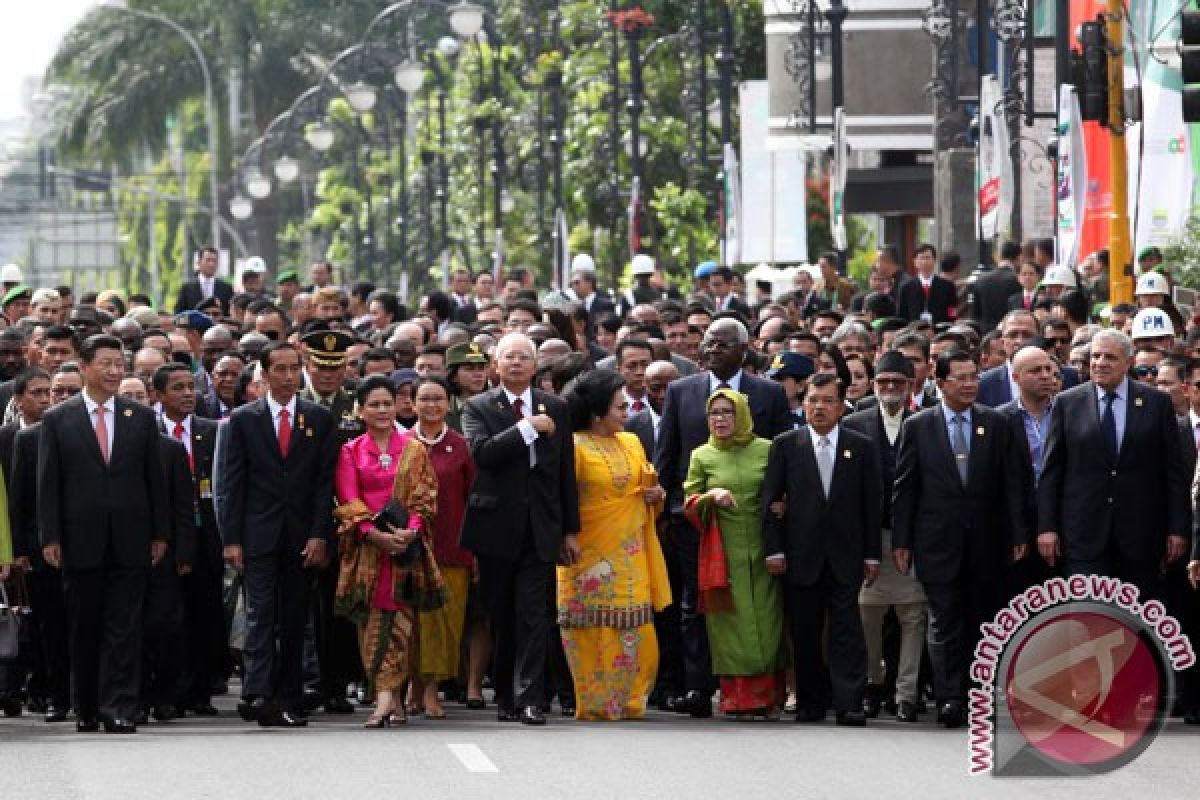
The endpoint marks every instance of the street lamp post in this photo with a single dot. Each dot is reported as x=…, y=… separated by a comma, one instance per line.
x=210, y=113
x=725, y=59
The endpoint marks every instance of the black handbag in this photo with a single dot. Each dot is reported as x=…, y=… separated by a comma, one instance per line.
x=395, y=516
x=10, y=628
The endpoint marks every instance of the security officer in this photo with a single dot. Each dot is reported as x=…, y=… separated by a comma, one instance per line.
x=466, y=368
x=792, y=371
x=337, y=650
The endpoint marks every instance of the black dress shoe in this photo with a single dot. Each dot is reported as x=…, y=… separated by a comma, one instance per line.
x=907, y=712
x=852, y=719
x=164, y=712
x=1191, y=716
x=118, y=725
x=476, y=703
x=810, y=714
x=567, y=711
x=679, y=704
x=275, y=718
x=950, y=715
x=338, y=705
x=87, y=725
x=532, y=715
x=252, y=709
x=311, y=701
x=505, y=715
x=11, y=706
x=141, y=717
x=56, y=714
x=696, y=703
x=872, y=701
x=203, y=709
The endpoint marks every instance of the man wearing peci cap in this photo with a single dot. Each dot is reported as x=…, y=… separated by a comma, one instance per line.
x=325, y=364
x=16, y=303
x=287, y=285
x=206, y=283
x=792, y=371
x=466, y=367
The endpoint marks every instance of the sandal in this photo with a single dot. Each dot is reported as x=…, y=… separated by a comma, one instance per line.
x=376, y=721
x=397, y=718
x=440, y=714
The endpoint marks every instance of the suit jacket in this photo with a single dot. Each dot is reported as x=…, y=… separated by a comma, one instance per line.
x=942, y=303
x=990, y=291
x=466, y=314
x=684, y=424
x=346, y=423
x=200, y=476
x=190, y=294
x=839, y=531
x=8, y=435
x=735, y=304
x=995, y=389
x=870, y=424
x=952, y=529
x=1017, y=299
x=265, y=501
x=22, y=495
x=1098, y=502
x=508, y=500
x=641, y=424
x=181, y=502
x=101, y=512
x=1028, y=487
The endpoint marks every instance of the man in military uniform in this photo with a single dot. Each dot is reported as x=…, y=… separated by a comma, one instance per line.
x=337, y=649
x=466, y=369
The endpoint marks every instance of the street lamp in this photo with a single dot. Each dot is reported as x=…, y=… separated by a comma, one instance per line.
x=319, y=137
x=448, y=46
x=257, y=184
x=361, y=96
x=287, y=169
x=241, y=207
x=466, y=19
x=210, y=114
x=409, y=77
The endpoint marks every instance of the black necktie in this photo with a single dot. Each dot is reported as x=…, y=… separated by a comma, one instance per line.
x=1108, y=423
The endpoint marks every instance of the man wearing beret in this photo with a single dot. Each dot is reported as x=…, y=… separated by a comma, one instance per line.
x=16, y=303
x=337, y=651
x=288, y=286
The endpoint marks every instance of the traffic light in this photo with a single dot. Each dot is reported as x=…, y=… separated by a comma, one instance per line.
x=1089, y=69
x=1190, y=58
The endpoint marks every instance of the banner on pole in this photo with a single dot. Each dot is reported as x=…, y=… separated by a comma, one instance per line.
x=837, y=180
x=731, y=254
x=994, y=165
x=1072, y=177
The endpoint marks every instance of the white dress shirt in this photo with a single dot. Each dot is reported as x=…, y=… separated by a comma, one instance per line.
x=734, y=383
x=169, y=427
x=528, y=432
x=276, y=408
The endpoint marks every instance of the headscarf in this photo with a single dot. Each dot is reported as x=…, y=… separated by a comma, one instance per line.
x=743, y=420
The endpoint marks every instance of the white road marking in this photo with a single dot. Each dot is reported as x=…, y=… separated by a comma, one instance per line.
x=474, y=759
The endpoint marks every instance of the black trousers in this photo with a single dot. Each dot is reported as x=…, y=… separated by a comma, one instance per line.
x=697, y=660
x=847, y=670
x=517, y=594
x=104, y=614
x=670, y=680
x=163, y=640
x=205, y=630
x=956, y=610
x=278, y=592
x=337, y=644
x=1145, y=575
x=50, y=618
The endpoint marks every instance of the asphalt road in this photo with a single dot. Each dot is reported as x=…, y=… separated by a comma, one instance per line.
x=470, y=755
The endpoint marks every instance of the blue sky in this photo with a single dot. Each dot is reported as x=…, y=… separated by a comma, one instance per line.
x=29, y=35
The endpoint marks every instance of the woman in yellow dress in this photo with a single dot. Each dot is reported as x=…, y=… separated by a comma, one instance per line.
x=607, y=599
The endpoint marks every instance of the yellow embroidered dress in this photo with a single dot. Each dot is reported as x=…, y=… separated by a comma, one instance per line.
x=606, y=602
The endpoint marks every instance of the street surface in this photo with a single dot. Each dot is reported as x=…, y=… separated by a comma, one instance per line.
x=470, y=755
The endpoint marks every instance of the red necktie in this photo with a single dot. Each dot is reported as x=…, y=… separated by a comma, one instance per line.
x=102, y=433
x=637, y=406
x=519, y=409
x=285, y=432
x=1028, y=300
x=179, y=434
x=925, y=289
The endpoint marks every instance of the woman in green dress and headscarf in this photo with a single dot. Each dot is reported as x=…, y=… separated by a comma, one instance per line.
x=741, y=601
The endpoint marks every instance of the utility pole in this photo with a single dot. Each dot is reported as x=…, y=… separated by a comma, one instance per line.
x=1120, y=282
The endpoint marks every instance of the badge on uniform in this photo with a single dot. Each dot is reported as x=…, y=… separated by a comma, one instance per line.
x=846, y=454
x=205, y=489
x=1137, y=402
x=129, y=412
x=541, y=409
x=979, y=431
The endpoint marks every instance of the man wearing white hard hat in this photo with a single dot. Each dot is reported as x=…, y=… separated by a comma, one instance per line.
x=583, y=287
x=1058, y=279
x=253, y=272
x=1153, y=290
x=1152, y=327
x=643, y=290
x=10, y=276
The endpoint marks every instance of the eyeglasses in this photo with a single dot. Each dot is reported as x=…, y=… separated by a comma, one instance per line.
x=1145, y=372
x=1058, y=340
x=717, y=413
x=65, y=391
x=718, y=344
x=1017, y=334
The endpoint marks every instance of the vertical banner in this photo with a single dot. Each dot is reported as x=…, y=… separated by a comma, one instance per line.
x=1072, y=177
x=1096, y=219
x=994, y=165
x=776, y=181
x=635, y=218
x=731, y=241
x=837, y=181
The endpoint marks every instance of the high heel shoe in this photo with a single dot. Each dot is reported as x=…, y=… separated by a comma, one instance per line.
x=376, y=721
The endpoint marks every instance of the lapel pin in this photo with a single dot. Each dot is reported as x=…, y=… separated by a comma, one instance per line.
x=309, y=432
x=541, y=409
x=449, y=448
x=979, y=431
x=129, y=411
x=846, y=454
x=1136, y=402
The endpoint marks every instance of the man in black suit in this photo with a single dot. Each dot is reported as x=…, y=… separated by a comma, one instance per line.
x=826, y=544
x=1113, y=497
x=202, y=572
x=991, y=287
x=683, y=428
x=274, y=495
x=522, y=516
x=597, y=306
x=720, y=284
x=882, y=423
x=929, y=297
x=956, y=512
x=206, y=284
x=102, y=519
x=998, y=385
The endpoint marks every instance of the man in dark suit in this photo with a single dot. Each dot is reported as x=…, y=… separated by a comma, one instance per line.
x=826, y=545
x=683, y=428
x=720, y=284
x=929, y=297
x=206, y=284
x=102, y=519
x=597, y=305
x=522, y=516
x=337, y=651
x=902, y=593
x=274, y=495
x=991, y=287
x=1018, y=329
x=1113, y=497
x=201, y=562
x=956, y=513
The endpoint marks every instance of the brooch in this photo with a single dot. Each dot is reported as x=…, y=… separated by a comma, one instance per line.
x=300, y=421
x=1136, y=402
x=979, y=431
x=449, y=449
x=308, y=431
x=846, y=454
x=385, y=461
x=129, y=412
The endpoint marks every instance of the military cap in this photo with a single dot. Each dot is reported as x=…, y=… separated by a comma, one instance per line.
x=193, y=320
x=465, y=354
x=328, y=348
x=791, y=365
x=288, y=276
x=15, y=292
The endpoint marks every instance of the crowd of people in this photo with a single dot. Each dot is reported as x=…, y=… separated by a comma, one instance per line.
x=759, y=501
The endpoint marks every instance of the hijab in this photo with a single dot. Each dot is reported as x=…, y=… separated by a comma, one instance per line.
x=743, y=420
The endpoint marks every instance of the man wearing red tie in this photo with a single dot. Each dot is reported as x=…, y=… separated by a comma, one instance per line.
x=633, y=357
x=931, y=297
